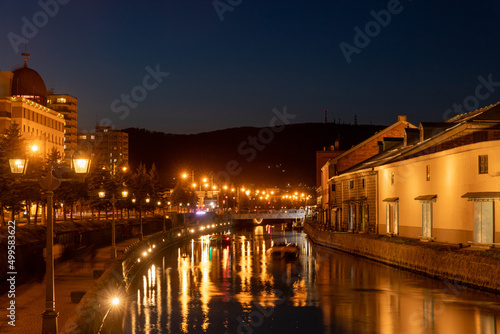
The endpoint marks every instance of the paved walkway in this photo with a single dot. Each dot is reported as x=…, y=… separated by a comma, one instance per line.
x=72, y=275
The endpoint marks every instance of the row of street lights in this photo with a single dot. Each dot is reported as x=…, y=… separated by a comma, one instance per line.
x=124, y=195
x=241, y=190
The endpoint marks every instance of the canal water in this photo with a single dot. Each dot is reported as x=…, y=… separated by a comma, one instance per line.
x=203, y=286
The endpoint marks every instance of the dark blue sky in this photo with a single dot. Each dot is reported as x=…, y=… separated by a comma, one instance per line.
x=263, y=55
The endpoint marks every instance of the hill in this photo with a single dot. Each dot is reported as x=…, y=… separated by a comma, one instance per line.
x=245, y=155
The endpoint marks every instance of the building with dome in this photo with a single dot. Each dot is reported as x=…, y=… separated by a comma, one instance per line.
x=45, y=119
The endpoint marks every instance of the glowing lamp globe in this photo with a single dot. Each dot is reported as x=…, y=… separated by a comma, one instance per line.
x=81, y=165
x=18, y=166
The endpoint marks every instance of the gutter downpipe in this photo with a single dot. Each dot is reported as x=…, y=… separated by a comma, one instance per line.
x=376, y=200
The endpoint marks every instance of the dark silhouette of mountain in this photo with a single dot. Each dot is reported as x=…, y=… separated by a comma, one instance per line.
x=246, y=155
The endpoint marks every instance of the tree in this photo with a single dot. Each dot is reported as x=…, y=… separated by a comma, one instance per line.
x=140, y=183
x=99, y=179
x=154, y=177
x=11, y=192
x=32, y=191
x=180, y=195
x=244, y=202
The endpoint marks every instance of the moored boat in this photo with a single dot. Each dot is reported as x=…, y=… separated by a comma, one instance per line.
x=284, y=252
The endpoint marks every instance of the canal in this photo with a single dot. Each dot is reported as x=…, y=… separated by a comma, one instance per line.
x=202, y=286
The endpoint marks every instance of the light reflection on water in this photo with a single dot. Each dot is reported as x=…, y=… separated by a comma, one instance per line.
x=207, y=287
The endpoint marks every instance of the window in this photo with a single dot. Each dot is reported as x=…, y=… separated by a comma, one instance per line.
x=351, y=184
x=333, y=187
x=363, y=183
x=392, y=178
x=428, y=173
x=61, y=100
x=483, y=164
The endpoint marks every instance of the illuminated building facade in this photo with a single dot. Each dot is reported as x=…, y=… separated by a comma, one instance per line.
x=66, y=105
x=354, y=204
x=23, y=100
x=108, y=146
x=441, y=182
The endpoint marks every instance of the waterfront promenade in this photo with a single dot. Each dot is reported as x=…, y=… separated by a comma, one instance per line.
x=75, y=274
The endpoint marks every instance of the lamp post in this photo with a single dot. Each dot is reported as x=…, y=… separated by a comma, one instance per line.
x=160, y=207
x=141, y=235
x=49, y=183
x=147, y=200
x=134, y=200
x=113, y=201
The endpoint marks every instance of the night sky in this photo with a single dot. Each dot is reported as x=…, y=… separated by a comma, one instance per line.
x=230, y=66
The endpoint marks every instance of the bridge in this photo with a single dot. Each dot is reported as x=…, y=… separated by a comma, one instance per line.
x=258, y=217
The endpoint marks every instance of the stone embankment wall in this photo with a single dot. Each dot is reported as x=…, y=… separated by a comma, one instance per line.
x=477, y=268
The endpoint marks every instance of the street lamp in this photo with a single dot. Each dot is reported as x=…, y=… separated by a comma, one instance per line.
x=113, y=201
x=134, y=200
x=49, y=183
x=164, y=215
x=18, y=166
